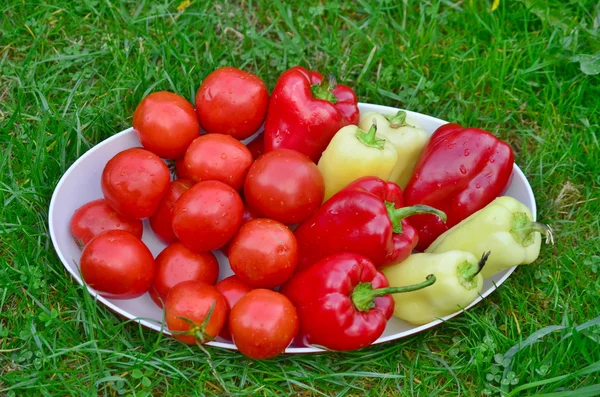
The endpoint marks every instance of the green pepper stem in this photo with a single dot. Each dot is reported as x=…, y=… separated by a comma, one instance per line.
x=363, y=296
x=397, y=214
x=398, y=120
x=324, y=90
x=524, y=232
x=370, y=138
x=470, y=274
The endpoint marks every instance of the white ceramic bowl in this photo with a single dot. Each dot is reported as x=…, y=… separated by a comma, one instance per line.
x=81, y=184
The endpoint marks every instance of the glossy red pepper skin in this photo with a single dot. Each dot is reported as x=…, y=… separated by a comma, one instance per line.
x=460, y=171
x=356, y=219
x=327, y=314
x=298, y=120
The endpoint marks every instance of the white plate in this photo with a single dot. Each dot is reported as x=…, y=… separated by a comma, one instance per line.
x=81, y=184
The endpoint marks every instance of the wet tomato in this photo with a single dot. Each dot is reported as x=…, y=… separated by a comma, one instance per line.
x=188, y=312
x=165, y=124
x=180, y=170
x=264, y=253
x=232, y=289
x=118, y=265
x=247, y=216
x=134, y=182
x=162, y=220
x=176, y=264
x=96, y=217
x=284, y=185
x=257, y=146
x=233, y=102
x=263, y=323
x=207, y=215
x=218, y=157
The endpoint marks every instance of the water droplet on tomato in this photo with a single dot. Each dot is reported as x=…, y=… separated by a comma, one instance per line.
x=477, y=186
x=223, y=156
x=492, y=159
x=463, y=169
x=467, y=152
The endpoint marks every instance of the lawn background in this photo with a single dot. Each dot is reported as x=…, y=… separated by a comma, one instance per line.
x=71, y=74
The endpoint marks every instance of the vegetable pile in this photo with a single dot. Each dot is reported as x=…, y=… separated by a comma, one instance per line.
x=333, y=221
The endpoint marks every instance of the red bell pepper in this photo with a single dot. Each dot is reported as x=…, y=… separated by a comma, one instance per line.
x=343, y=301
x=460, y=171
x=367, y=218
x=306, y=110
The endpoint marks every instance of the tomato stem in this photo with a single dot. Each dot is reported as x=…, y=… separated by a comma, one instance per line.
x=198, y=331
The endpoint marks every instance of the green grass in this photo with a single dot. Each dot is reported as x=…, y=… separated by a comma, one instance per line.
x=71, y=74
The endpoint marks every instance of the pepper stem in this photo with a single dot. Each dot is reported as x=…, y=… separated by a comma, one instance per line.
x=397, y=214
x=363, y=296
x=324, y=90
x=370, y=138
x=523, y=229
x=470, y=274
x=398, y=120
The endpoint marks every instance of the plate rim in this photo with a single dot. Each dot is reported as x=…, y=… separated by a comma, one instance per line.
x=159, y=327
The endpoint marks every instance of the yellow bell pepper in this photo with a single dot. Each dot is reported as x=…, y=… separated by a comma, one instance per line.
x=354, y=153
x=405, y=135
x=458, y=283
x=505, y=226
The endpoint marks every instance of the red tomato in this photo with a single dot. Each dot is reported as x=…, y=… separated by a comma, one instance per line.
x=232, y=288
x=95, y=217
x=207, y=215
x=176, y=264
x=118, y=265
x=180, y=170
x=264, y=253
x=162, y=220
x=233, y=102
x=218, y=157
x=166, y=124
x=247, y=216
x=284, y=185
x=263, y=323
x=257, y=146
x=134, y=182
x=191, y=301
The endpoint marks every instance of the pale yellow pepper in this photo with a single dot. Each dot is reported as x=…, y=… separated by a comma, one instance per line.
x=505, y=227
x=458, y=284
x=353, y=154
x=408, y=138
